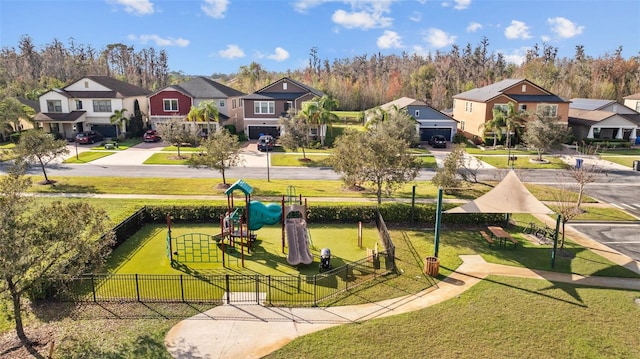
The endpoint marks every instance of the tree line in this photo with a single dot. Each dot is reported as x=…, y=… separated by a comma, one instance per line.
x=357, y=83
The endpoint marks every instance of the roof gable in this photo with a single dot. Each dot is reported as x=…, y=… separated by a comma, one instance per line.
x=271, y=88
x=107, y=86
x=204, y=88
x=512, y=88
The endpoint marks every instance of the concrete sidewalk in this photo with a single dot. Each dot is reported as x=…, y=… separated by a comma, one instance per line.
x=253, y=331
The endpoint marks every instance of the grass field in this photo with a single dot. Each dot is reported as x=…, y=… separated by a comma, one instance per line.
x=87, y=156
x=145, y=252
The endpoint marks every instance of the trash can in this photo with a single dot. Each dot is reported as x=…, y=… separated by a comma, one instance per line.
x=636, y=165
x=579, y=163
x=432, y=266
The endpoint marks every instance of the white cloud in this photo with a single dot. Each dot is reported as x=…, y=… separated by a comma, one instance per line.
x=438, y=38
x=215, y=8
x=389, y=39
x=419, y=50
x=564, y=27
x=302, y=6
x=545, y=38
x=462, y=4
x=474, y=26
x=231, y=52
x=136, y=7
x=416, y=16
x=280, y=55
x=517, y=30
x=364, y=14
x=160, y=41
x=360, y=19
x=516, y=56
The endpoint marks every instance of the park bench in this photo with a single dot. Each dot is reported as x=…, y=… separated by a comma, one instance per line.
x=487, y=237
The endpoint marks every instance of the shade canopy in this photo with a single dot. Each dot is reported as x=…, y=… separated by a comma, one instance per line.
x=509, y=196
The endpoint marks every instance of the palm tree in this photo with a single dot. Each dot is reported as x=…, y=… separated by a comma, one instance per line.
x=513, y=120
x=494, y=125
x=203, y=113
x=119, y=119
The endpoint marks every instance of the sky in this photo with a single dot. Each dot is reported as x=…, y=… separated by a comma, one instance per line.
x=203, y=37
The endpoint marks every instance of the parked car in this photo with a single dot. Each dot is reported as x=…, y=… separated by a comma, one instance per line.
x=89, y=137
x=438, y=141
x=151, y=136
x=265, y=143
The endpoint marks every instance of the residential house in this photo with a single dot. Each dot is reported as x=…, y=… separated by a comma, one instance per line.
x=633, y=101
x=88, y=104
x=176, y=101
x=430, y=121
x=603, y=119
x=473, y=108
x=263, y=108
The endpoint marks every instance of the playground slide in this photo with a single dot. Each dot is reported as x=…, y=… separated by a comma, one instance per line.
x=261, y=214
x=298, y=242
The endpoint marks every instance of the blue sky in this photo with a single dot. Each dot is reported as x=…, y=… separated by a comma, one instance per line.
x=202, y=37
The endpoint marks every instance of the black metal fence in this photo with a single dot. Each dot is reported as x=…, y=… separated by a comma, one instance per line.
x=226, y=288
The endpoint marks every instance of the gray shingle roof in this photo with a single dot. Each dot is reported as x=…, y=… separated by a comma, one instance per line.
x=484, y=94
x=123, y=88
x=58, y=116
x=589, y=103
x=312, y=90
x=203, y=88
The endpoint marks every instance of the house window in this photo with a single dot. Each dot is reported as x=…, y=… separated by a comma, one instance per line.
x=548, y=110
x=502, y=107
x=170, y=105
x=468, y=107
x=86, y=84
x=101, y=105
x=264, y=107
x=522, y=107
x=221, y=102
x=524, y=87
x=462, y=125
x=54, y=106
x=284, y=86
x=638, y=106
x=596, y=132
x=417, y=114
x=234, y=103
x=78, y=104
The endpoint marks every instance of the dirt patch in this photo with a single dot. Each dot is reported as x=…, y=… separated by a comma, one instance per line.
x=354, y=188
x=43, y=338
x=222, y=186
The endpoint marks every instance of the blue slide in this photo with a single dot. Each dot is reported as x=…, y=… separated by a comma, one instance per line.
x=261, y=214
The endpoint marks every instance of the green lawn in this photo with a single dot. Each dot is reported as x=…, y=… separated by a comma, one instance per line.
x=168, y=158
x=498, y=318
x=182, y=149
x=297, y=160
x=145, y=252
x=522, y=162
x=87, y=156
x=621, y=160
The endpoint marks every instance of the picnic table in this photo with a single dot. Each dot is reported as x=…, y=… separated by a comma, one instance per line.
x=502, y=236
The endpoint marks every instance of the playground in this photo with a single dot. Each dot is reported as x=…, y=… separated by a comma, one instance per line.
x=252, y=237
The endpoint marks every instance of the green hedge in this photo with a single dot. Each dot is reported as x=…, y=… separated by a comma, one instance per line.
x=391, y=212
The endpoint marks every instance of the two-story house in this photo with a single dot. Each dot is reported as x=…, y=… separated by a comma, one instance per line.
x=263, y=108
x=430, y=121
x=88, y=104
x=175, y=101
x=633, y=101
x=473, y=108
x=603, y=119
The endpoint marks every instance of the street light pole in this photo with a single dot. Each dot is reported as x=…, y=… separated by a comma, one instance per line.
x=268, y=178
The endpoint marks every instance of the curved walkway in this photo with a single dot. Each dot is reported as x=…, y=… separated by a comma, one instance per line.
x=253, y=331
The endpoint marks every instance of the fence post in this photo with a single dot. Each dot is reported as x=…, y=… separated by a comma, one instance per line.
x=181, y=288
x=226, y=279
x=137, y=288
x=346, y=275
x=315, y=290
x=299, y=284
x=257, y=289
x=93, y=288
x=269, y=281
